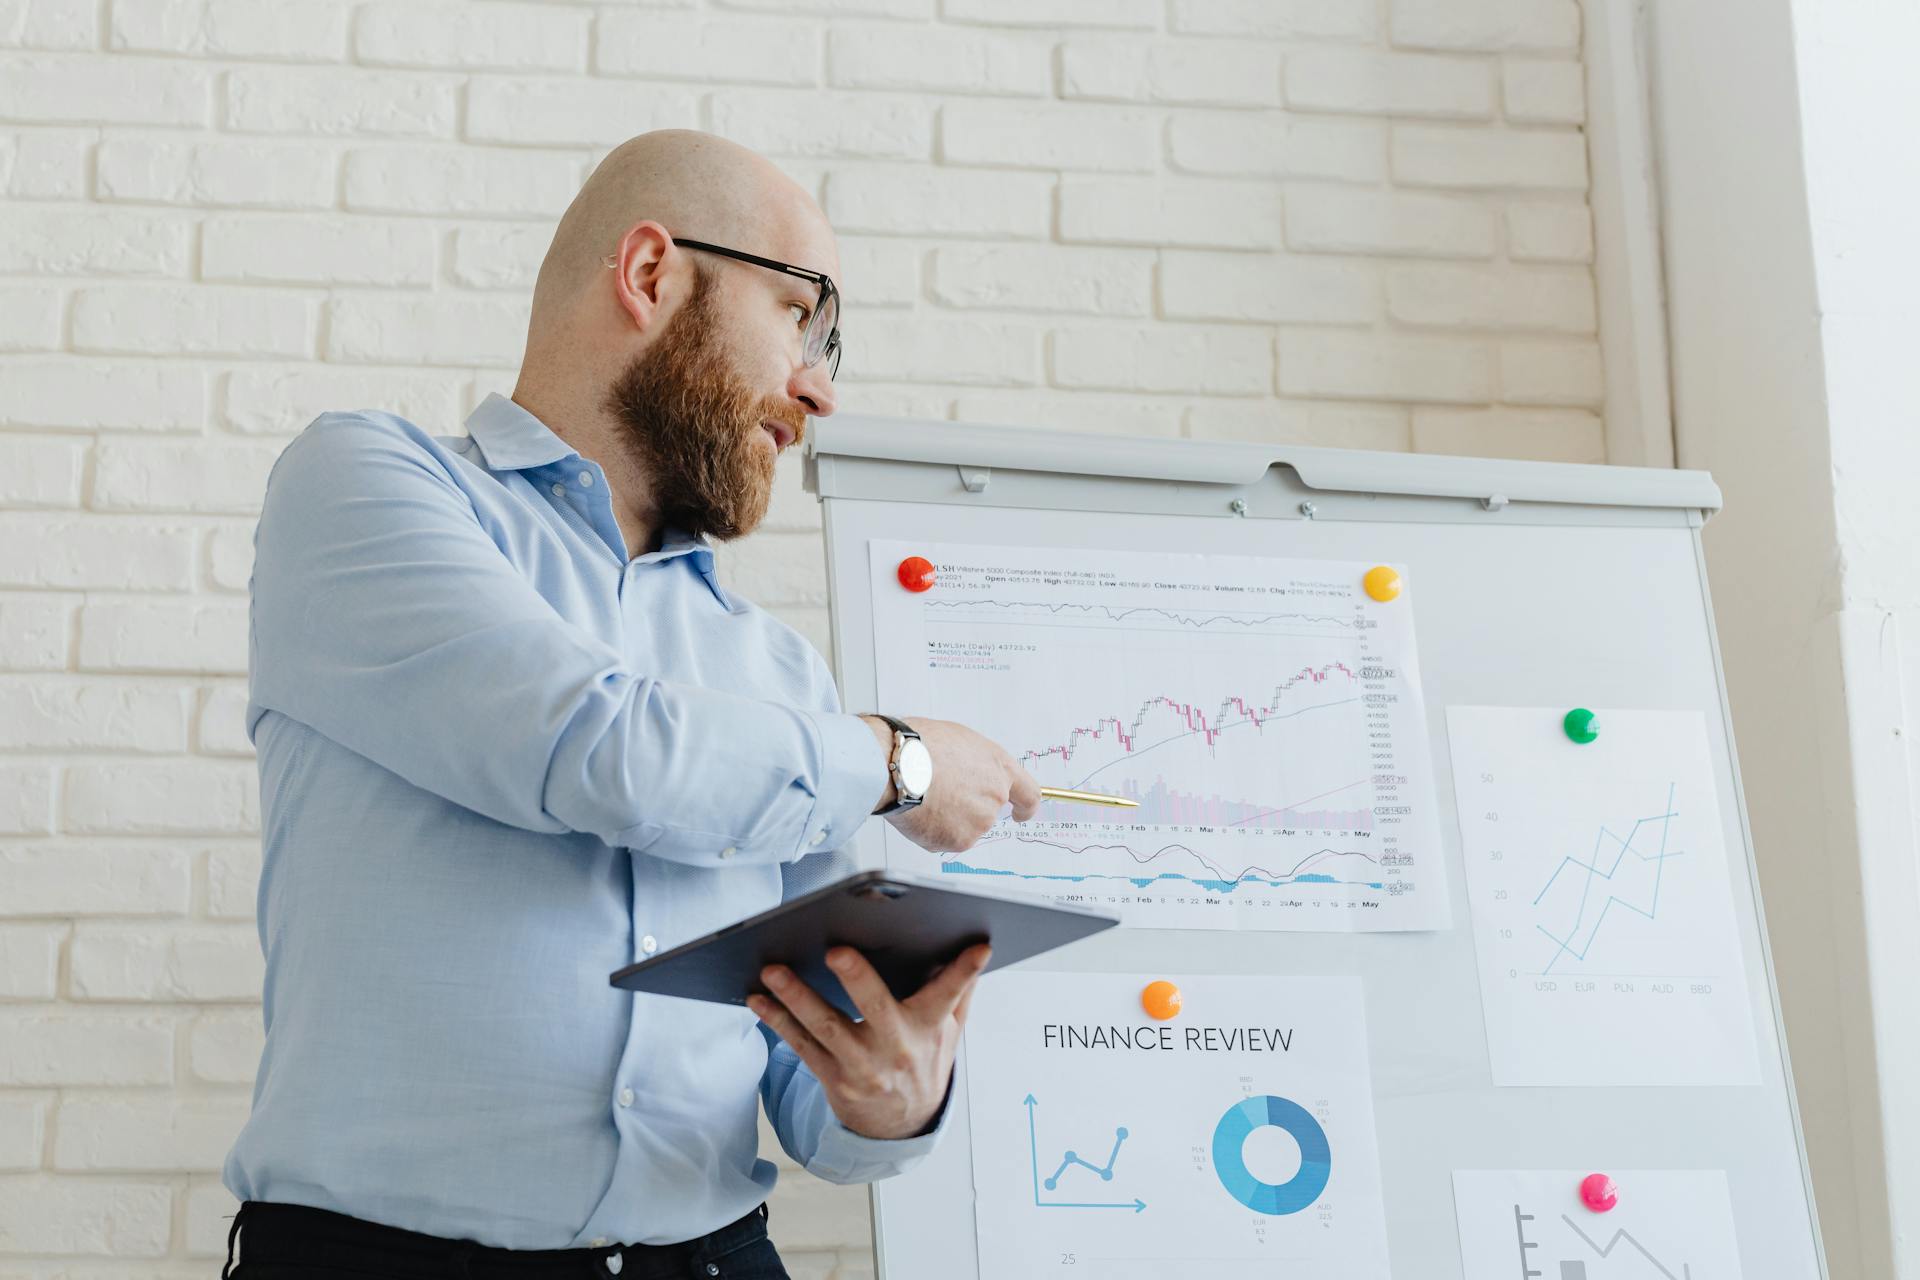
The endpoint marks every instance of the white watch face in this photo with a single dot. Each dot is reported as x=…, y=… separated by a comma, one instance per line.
x=916, y=767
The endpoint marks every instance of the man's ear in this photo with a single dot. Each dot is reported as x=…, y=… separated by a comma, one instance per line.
x=645, y=269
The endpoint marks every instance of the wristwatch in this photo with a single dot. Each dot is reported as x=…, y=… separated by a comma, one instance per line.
x=911, y=765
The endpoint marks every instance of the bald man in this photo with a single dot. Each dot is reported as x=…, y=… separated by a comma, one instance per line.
x=513, y=735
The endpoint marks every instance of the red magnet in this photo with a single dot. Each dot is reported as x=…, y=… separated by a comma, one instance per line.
x=1599, y=1193
x=916, y=573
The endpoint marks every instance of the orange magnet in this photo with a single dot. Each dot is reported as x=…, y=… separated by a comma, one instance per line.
x=1161, y=1000
x=1382, y=583
x=916, y=573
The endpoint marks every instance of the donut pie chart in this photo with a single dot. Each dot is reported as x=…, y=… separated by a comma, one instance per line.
x=1316, y=1158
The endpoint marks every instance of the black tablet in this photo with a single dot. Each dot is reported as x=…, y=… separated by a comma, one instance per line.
x=906, y=926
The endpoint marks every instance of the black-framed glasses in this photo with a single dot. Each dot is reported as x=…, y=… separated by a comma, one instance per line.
x=822, y=337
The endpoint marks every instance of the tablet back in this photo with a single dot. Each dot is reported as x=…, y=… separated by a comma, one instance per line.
x=906, y=925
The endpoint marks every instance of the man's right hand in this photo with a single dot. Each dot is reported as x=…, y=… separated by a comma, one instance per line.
x=973, y=780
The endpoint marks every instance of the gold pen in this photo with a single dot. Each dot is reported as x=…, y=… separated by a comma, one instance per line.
x=1088, y=797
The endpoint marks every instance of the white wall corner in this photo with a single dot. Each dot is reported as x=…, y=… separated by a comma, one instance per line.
x=1624, y=195
x=1886, y=1065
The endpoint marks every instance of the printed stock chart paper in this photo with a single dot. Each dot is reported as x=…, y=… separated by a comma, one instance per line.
x=1266, y=714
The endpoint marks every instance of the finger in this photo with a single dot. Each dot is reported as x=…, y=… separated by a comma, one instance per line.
x=966, y=1002
x=943, y=994
x=1025, y=793
x=867, y=988
x=823, y=1022
x=788, y=1028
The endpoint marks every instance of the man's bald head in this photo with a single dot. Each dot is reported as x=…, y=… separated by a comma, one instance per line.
x=684, y=371
x=695, y=185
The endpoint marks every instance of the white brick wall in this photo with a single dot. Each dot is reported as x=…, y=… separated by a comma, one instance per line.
x=1349, y=222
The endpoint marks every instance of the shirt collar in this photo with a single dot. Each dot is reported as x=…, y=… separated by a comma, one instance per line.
x=699, y=553
x=512, y=439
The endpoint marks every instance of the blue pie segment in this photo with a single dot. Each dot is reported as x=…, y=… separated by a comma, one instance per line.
x=1316, y=1158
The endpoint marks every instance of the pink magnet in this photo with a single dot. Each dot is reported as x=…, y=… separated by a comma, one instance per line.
x=1599, y=1193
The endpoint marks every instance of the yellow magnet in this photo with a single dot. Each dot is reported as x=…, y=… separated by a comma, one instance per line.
x=1161, y=1000
x=1382, y=583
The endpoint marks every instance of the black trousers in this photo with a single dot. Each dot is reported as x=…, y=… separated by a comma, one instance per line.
x=297, y=1242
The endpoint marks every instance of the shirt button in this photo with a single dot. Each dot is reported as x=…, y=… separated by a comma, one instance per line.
x=648, y=945
x=586, y=479
x=818, y=836
x=729, y=851
x=596, y=1242
x=559, y=490
x=713, y=1268
x=626, y=1097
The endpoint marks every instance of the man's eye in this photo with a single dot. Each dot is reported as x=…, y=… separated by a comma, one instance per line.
x=800, y=313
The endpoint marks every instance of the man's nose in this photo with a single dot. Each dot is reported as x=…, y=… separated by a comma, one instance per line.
x=812, y=386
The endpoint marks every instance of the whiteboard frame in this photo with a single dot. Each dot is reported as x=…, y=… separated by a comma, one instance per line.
x=889, y=460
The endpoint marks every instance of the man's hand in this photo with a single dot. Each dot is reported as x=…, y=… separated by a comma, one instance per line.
x=885, y=1077
x=973, y=780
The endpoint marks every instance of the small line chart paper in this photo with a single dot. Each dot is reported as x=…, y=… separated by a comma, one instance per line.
x=1602, y=912
x=1670, y=1224
x=1265, y=714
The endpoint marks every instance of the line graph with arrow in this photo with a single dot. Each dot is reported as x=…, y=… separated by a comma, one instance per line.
x=1067, y=1161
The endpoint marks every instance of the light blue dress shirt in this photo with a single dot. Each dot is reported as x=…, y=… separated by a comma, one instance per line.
x=499, y=760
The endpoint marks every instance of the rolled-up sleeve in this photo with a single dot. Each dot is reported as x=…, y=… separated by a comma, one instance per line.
x=386, y=618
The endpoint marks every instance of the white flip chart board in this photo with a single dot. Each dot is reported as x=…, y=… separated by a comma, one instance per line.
x=1440, y=958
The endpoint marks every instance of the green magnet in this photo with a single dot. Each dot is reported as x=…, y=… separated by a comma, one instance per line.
x=1581, y=725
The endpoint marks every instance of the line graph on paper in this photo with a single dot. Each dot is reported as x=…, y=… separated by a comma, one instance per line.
x=1621, y=870
x=1602, y=905
x=1264, y=714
